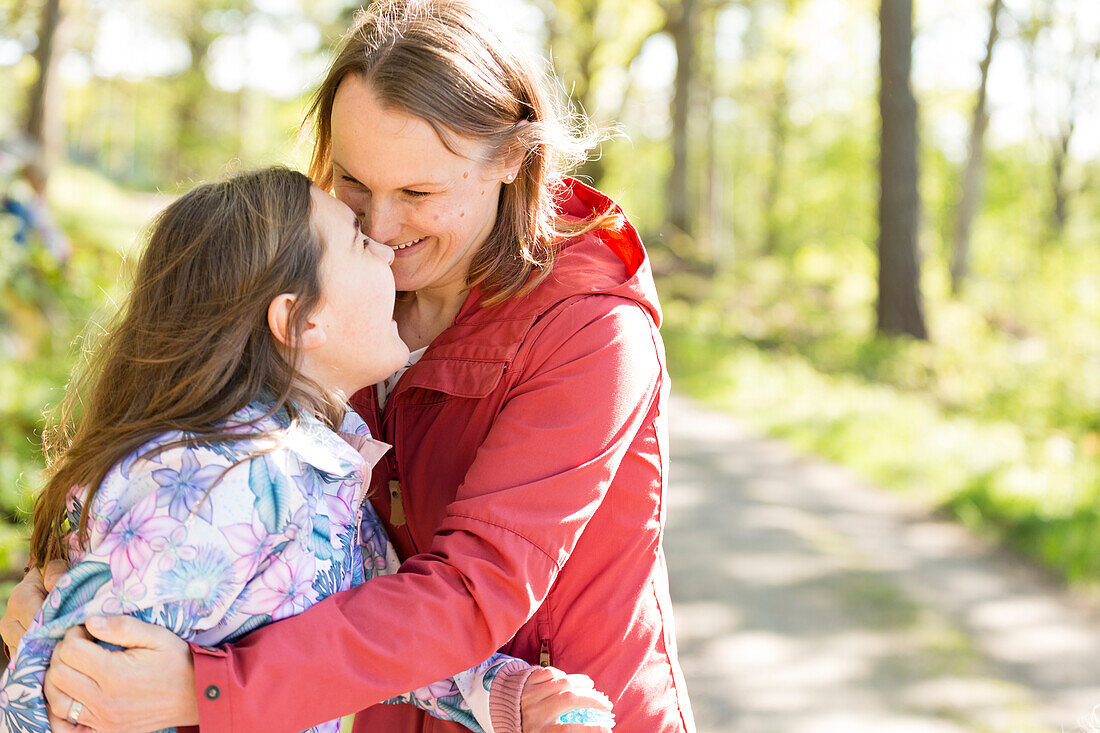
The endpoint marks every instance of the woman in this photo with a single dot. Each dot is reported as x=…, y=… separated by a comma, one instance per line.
x=214, y=479
x=525, y=489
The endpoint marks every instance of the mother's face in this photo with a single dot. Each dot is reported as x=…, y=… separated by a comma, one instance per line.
x=432, y=207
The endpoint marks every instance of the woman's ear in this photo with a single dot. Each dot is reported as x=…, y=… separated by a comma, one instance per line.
x=312, y=334
x=514, y=161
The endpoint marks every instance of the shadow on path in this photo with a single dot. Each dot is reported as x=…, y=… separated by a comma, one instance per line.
x=808, y=601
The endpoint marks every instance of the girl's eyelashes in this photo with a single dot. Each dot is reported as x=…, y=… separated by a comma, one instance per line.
x=417, y=194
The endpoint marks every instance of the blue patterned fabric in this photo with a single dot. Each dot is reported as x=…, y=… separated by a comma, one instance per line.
x=213, y=541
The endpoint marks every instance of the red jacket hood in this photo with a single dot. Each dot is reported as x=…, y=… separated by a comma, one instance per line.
x=609, y=262
x=601, y=262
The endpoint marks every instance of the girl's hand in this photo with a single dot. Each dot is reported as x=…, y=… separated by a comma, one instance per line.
x=550, y=693
x=148, y=686
x=26, y=598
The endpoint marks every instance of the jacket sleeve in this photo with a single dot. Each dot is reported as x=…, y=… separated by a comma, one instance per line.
x=586, y=387
x=143, y=556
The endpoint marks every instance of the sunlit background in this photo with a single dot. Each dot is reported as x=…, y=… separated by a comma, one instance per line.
x=763, y=229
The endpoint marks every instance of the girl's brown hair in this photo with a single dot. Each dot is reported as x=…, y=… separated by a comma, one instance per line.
x=441, y=61
x=192, y=346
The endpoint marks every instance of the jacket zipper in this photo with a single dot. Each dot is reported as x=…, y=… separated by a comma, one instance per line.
x=544, y=644
x=361, y=498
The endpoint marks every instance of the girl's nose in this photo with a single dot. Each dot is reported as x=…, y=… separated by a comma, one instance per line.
x=381, y=250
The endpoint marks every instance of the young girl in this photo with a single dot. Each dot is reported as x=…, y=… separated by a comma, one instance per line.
x=215, y=480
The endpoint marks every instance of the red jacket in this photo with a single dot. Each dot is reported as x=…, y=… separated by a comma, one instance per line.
x=530, y=461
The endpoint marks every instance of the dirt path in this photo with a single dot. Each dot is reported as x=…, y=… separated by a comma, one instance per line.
x=810, y=602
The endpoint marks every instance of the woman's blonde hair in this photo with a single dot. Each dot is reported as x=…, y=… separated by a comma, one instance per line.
x=441, y=61
x=192, y=345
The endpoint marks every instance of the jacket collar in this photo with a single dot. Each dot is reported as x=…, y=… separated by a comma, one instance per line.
x=339, y=454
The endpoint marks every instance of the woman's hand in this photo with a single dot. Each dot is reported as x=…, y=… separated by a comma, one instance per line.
x=26, y=598
x=148, y=686
x=550, y=693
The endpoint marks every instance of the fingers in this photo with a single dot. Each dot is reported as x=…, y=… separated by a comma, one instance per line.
x=54, y=570
x=63, y=685
x=548, y=681
x=585, y=699
x=11, y=631
x=149, y=687
x=545, y=675
x=565, y=701
x=550, y=693
x=59, y=725
x=26, y=598
x=129, y=632
x=77, y=652
x=580, y=682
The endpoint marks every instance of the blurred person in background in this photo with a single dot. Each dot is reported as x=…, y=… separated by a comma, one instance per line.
x=24, y=198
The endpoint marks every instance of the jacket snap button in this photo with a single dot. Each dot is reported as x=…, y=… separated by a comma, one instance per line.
x=212, y=692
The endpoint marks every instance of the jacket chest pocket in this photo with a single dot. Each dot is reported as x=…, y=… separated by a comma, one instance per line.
x=448, y=378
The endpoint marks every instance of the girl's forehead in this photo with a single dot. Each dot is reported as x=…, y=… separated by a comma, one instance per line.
x=327, y=203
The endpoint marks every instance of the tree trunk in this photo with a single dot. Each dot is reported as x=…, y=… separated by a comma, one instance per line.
x=899, y=300
x=1085, y=56
x=1059, y=159
x=43, y=119
x=192, y=88
x=719, y=239
x=683, y=29
x=971, y=195
x=780, y=133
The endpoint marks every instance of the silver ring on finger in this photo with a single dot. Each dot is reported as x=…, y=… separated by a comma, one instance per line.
x=74, y=713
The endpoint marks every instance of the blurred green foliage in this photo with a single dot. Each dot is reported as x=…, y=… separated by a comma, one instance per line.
x=45, y=309
x=996, y=419
x=769, y=306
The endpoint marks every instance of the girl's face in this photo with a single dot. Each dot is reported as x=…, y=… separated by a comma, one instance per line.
x=432, y=208
x=360, y=345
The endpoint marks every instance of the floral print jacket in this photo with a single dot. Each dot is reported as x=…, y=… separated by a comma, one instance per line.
x=285, y=526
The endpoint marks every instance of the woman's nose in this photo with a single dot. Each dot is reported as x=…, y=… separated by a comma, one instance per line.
x=380, y=224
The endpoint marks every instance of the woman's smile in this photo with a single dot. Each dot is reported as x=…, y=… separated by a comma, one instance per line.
x=402, y=249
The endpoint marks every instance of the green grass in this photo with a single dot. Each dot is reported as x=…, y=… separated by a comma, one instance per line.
x=1003, y=438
